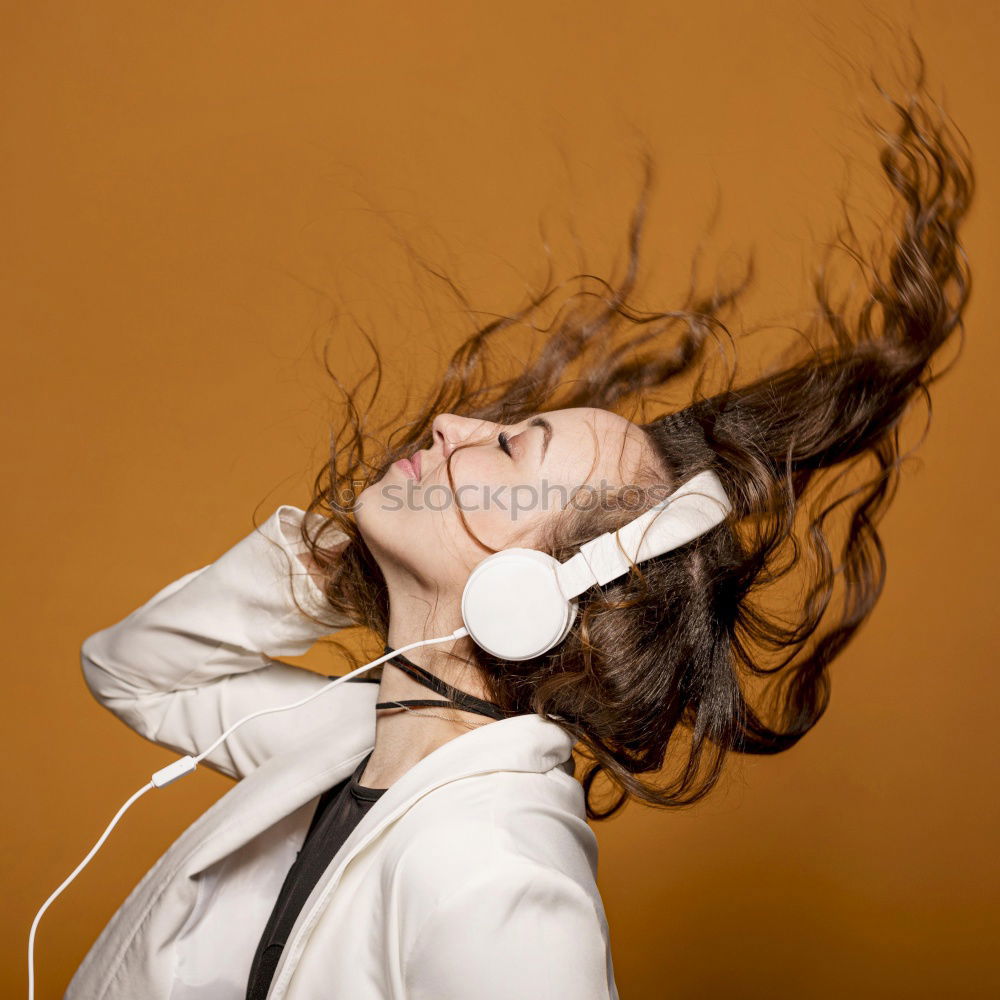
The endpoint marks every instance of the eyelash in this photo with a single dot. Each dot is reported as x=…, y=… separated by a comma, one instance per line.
x=504, y=443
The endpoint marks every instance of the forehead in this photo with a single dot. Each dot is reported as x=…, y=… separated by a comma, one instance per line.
x=585, y=436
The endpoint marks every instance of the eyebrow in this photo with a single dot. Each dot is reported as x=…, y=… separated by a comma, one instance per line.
x=547, y=432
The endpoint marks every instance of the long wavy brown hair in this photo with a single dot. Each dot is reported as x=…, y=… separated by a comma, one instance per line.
x=725, y=644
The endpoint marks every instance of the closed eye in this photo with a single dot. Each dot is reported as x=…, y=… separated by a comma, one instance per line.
x=505, y=443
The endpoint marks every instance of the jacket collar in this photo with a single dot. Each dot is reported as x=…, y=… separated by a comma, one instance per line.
x=288, y=781
x=518, y=743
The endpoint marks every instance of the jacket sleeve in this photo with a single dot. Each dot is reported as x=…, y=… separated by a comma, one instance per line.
x=197, y=656
x=516, y=930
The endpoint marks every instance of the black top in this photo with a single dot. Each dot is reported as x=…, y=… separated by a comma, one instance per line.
x=339, y=811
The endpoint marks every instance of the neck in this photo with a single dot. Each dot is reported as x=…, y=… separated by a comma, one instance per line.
x=404, y=736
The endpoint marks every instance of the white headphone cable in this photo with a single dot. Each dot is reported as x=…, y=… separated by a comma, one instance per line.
x=185, y=765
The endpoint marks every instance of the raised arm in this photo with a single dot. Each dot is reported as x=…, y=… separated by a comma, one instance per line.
x=198, y=655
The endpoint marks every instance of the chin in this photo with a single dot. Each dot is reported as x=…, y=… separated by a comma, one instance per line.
x=382, y=525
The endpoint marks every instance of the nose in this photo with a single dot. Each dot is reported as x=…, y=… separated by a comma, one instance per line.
x=451, y=430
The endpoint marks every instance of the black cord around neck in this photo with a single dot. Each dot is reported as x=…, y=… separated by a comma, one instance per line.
x=457, y=699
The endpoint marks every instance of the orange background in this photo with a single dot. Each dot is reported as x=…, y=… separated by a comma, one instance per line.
x=190, y=189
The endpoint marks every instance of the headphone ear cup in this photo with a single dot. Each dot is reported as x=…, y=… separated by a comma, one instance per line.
x=513, y=607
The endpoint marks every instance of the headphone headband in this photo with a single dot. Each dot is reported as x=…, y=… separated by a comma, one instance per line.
x=691, y=510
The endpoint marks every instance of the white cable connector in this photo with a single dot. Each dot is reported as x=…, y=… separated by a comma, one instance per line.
x=174, y=771
x=187, y=764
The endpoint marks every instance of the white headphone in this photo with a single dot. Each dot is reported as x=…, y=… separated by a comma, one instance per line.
x=520, y=603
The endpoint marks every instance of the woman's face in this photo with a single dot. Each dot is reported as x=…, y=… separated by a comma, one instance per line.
x=411, y=520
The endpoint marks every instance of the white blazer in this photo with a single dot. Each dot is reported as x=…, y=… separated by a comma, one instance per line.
x=473, y=876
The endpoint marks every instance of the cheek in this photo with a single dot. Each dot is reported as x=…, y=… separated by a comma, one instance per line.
x=504, y=520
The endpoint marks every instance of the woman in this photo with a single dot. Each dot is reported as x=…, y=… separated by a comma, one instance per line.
x=377, y=846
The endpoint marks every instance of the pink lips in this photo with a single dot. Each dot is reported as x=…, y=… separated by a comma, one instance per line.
x=410, y=466
x=407, y=466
